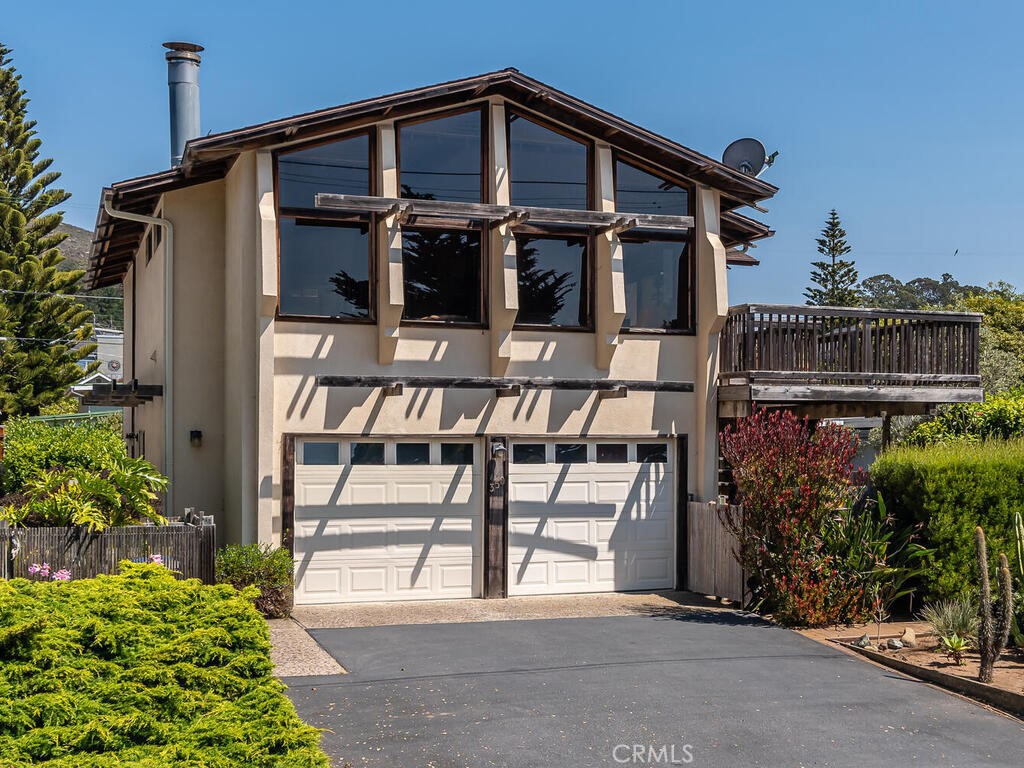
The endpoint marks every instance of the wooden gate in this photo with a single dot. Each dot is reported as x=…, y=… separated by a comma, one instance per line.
x=712, y=567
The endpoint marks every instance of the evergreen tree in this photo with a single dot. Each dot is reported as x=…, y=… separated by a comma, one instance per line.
x=833, y=280
x=43, y=331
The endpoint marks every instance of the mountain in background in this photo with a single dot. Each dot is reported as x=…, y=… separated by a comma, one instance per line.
x=76, y=248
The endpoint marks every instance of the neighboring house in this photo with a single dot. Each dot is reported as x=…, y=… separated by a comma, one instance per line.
x=109, y=353
x=457, y=341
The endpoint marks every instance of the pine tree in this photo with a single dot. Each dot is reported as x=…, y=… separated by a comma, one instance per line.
x=43, y=330
x=833, y=281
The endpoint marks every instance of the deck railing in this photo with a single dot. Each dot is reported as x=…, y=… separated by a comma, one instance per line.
x=841, y=345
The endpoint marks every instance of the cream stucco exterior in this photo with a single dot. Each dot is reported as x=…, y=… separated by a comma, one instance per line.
x=245, y=379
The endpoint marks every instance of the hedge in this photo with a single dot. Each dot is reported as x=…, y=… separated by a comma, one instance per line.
x=31, y=445
x=949, y=490
x=140, y=669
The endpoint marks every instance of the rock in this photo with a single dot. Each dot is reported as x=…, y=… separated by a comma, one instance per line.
x=893, y=644
x=909, y=638
x=863, y=642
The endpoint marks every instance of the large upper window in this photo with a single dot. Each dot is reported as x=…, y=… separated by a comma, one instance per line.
x=657, y=271
x=637, y=191
x=324, y=262
x=547, y=169
x=552, y=281
x=440, y=159
x=340, y=167
x=442, y=275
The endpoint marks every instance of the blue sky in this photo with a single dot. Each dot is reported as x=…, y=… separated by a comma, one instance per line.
x=906, y=117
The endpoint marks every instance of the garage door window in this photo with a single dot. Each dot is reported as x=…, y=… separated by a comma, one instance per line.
x=412, y=453
x=611, y=453
x=454, y=454
x=529, y=453
x=571, y=453
x=652, y=453
x=319, y=453
x=367, y=453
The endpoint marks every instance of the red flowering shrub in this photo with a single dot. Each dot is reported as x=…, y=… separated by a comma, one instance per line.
x=791, y=480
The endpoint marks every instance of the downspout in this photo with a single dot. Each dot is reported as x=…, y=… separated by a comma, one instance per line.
x=168, y=395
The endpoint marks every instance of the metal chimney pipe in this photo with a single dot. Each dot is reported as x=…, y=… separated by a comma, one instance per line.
x=183, y=85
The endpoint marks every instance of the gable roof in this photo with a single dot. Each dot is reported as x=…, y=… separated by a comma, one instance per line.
x=210, y=157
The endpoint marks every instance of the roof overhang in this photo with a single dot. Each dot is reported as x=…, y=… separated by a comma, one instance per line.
x=210, y=157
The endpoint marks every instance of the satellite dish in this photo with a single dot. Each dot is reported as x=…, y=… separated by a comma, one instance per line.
x=746, y=156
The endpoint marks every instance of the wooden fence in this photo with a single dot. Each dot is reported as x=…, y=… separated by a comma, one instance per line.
x=185, y=549
x=711, y=566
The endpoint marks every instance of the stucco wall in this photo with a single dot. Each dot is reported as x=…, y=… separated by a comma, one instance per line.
x=198, y=216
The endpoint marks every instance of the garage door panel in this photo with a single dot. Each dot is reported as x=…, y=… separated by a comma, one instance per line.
x=597, y=526
x=387, y=532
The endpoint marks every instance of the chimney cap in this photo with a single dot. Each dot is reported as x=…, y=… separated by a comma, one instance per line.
x=184, y=47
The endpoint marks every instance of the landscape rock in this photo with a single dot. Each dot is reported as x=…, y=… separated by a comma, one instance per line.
x=893, y=644
x=863, y=642
x=909, y=638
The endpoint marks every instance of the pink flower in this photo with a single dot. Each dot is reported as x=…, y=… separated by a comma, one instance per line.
x=44, y=570
x=158, y=559
x=62, y=575
x=34, y=569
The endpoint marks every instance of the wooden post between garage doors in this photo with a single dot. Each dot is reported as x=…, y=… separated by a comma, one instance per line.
x=496, y=519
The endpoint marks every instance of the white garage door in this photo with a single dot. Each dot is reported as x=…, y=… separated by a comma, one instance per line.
x=386, y=520
x=592, y=516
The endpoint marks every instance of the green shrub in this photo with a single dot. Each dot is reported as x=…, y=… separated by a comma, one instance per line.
x=267, y=568
x=949, y=490
x=31, y=446
x=143, y=670
x=1000, y=417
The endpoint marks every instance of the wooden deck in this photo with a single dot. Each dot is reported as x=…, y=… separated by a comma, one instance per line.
x=838, y=361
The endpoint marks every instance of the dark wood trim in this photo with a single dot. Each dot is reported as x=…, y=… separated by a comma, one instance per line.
x=682, y=511
x=288, y=494
x=488, y=212
x=495, y=382
x=495, y=554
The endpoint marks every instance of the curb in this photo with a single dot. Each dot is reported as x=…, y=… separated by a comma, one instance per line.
x=1008, y=701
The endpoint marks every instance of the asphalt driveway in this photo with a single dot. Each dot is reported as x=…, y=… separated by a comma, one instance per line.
x=702, y=688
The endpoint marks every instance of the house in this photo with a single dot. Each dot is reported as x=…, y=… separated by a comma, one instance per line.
x=464, y=340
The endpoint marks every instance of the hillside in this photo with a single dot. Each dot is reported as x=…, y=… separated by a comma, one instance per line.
x=109, y=314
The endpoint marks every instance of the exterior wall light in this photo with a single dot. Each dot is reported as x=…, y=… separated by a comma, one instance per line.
x=195, y=437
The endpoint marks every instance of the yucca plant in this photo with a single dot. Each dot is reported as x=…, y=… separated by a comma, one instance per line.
x=952, y=617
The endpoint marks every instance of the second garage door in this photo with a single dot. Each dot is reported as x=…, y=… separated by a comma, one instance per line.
x=594, y=516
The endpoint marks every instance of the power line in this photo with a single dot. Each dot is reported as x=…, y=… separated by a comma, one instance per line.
x=67, y=295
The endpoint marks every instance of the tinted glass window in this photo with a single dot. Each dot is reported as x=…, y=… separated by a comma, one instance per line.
x=552, y=281
x=319, y=453
x=367, y=453
x=412, y=453
x=637, y=191
x=570, y=453
x=529, y=453
x=440, y=159
x=341, y=167
x=324, y=269
x=611, y=453
x=653, y=453
x=456, y=453
x=657, y=281
x=442, y=275
x=546, y=169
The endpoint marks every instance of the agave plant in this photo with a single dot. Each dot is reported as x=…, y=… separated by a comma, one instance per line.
x=955, y=647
